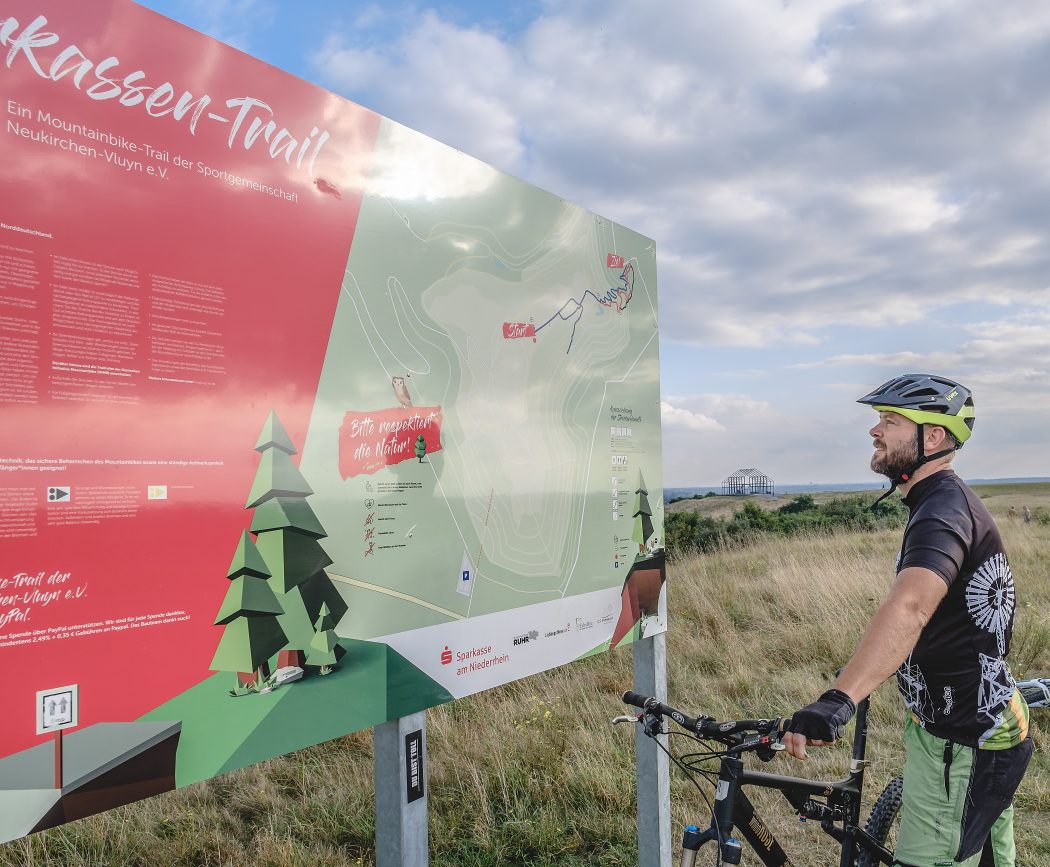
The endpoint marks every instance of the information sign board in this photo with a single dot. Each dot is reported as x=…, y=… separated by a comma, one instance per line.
x=309, y=422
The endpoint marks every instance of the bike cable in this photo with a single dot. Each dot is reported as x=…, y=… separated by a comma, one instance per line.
x=689, y=775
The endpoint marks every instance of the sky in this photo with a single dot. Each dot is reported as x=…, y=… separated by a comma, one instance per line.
x=839, y=191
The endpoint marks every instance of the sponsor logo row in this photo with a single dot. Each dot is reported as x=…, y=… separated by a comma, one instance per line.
x=482, y=656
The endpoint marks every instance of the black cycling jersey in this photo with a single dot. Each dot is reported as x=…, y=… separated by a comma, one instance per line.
x=956, y=680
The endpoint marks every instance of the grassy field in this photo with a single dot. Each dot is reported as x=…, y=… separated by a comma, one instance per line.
x=998, y=498
x=533, y=774
x=724, y=507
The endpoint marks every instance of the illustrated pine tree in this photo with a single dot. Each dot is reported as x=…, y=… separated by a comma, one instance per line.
x=288, y=536
x=325, y=651
x=249, y=615
x=643, y=515
x=421, y=447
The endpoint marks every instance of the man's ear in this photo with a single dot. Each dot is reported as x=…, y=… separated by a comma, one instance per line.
x=935, y=438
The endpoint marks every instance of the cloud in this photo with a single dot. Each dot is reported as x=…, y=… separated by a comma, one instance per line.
x=802, y=166
x=673, y=416
x=808, y=170
x=235, y=22
x=464, y=106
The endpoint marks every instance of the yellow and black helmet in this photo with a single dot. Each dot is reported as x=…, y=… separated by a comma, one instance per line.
x=927, y=399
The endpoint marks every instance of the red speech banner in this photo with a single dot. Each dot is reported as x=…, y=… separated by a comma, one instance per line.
x=369, y=441
x=518, y=330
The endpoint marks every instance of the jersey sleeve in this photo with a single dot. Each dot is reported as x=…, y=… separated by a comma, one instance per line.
x=935, y=544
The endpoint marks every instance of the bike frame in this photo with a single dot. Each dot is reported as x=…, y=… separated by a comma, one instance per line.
x=841, y=803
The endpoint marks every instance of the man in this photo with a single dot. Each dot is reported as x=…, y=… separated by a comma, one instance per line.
x=945, y=629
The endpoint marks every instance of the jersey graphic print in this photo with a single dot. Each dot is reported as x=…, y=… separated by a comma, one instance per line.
x=990, y=601
x=990, y=598
x=997, y=687
x=913, y=689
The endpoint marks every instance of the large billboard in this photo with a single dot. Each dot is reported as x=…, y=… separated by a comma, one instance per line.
x=308, y=421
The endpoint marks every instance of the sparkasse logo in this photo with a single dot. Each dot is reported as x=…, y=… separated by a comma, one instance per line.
x=446, y=656
x=529, y=636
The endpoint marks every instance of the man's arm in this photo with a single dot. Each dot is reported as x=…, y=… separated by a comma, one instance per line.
x=887, y=641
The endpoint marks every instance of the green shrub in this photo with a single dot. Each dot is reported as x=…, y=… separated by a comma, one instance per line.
x=689, y=532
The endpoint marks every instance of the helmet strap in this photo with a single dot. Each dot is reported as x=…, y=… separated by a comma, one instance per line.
x=908, y=474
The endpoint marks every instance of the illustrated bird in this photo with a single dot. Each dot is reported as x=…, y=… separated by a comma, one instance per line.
x=401, y=390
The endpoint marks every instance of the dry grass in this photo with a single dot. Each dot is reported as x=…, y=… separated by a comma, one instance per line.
x=532, y=774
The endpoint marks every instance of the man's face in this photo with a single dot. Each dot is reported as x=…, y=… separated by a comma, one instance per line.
x=896, y=449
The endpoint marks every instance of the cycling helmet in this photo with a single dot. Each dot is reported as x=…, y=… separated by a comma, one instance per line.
x=927, y=399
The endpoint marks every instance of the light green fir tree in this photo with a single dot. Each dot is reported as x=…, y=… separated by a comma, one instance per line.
x=325, y=650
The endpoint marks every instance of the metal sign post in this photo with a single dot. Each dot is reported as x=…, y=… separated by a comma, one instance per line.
x=400, y=748
x=652, y=767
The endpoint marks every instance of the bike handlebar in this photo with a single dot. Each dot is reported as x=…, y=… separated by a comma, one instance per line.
x=703, y=726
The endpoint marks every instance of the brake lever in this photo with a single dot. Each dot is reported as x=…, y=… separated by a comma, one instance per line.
x=774, y=743
x=768, y=751
x=616, y=720
x=776, y=737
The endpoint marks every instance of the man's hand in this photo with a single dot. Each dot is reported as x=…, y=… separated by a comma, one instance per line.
x=818, y=724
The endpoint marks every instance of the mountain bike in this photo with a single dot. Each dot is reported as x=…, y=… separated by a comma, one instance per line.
x=835, y=804
x=1036, y=692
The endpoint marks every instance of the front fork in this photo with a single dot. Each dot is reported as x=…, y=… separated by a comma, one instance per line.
x=721, y=830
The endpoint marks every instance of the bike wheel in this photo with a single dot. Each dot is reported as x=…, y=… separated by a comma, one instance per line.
x=884, y=819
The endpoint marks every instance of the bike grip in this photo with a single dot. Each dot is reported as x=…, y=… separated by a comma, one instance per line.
x=635, y=699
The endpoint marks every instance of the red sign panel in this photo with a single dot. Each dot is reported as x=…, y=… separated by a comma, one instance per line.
x=173, y=233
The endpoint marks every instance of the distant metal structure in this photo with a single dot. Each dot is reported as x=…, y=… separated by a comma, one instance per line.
x=748, y=481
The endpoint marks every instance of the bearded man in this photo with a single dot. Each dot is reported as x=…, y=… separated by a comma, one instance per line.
x=945, y=629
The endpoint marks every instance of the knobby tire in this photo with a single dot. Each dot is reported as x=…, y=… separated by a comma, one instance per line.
x=883, y=816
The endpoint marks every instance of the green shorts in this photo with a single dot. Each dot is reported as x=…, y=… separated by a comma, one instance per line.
x=955, y=798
